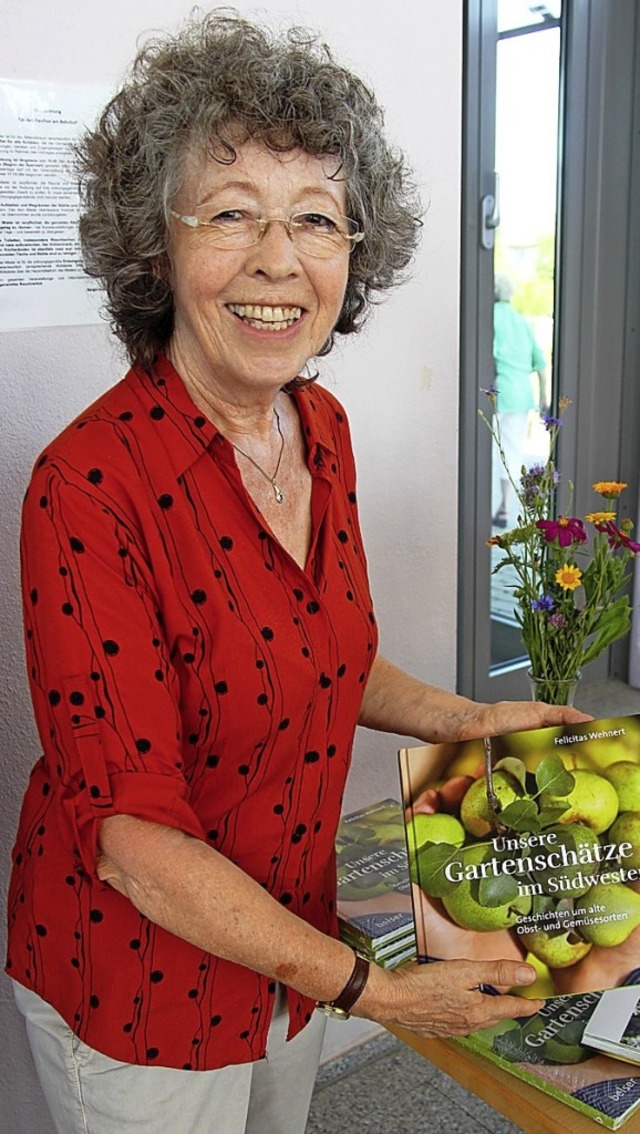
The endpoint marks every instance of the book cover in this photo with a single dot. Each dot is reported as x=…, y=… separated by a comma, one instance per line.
x=614, y=1026
x=529, y=846
x=374, y=891
x=548, y=1051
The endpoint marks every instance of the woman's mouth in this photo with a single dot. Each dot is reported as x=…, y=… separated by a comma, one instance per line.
x=266, y=318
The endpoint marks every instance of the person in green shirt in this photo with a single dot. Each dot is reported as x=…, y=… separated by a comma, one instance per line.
x=517, y=356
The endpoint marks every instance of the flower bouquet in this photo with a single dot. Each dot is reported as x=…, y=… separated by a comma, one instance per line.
x=569, y=595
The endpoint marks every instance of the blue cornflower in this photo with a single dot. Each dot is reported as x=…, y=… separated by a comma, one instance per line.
x=544, y=603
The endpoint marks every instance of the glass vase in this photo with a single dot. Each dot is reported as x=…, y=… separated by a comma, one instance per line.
x=553, y=690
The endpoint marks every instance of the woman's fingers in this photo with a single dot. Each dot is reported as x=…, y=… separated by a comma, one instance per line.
x=447, y=999
x=500, y=972
x=447, y=797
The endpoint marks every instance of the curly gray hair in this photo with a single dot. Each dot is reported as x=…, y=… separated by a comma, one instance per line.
x=196, y=93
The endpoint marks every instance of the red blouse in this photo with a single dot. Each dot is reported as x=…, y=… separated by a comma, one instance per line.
x=185, y=670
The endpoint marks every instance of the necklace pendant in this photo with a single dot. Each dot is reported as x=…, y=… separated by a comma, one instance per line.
x=277, y=492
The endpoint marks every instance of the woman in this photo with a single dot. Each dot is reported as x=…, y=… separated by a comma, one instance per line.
x=516, y=355
x=198, y=619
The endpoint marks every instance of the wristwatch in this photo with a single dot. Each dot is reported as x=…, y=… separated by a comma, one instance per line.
x=344, y=1002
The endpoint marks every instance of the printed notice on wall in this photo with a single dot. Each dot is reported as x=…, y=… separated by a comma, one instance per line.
x=42, y=283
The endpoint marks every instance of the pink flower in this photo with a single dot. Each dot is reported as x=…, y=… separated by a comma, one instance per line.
x=558, y=620
x=565, y=530
x=617, y=538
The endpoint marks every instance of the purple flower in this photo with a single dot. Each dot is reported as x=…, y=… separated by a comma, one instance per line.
x=565, y=530
x=532, y=480
x=545, y=602
x=558, y=620
x=551, y=422
x=532, y=476
x=491, y=393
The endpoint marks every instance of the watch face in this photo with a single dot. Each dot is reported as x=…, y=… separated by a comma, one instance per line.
x=332, y=1010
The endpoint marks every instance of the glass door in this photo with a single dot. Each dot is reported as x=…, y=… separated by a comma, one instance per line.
x=550, y=215
x=527, y=160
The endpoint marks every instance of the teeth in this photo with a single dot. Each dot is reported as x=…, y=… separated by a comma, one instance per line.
x=276, y=317
x=269, y=326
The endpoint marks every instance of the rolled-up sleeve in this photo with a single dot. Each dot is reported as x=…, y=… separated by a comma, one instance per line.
x=105, y=692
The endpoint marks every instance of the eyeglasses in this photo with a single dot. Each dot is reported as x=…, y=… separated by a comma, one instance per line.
x=314, y=234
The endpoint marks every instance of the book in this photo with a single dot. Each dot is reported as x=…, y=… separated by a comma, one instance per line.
x=548, y=1051
x=528, y=845
x=614, y=1026
x=375, y=912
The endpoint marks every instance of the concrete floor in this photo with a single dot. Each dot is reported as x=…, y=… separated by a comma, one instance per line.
x=384, y=1087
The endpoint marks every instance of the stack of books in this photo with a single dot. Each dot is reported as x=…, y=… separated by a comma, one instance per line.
x=374, y=892
x=554, y=1051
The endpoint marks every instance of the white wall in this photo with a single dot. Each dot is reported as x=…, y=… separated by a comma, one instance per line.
x=399, y=380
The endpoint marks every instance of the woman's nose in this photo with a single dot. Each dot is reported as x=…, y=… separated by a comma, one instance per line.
x=275, y=253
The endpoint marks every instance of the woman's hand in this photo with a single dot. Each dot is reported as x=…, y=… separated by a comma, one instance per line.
x=394, y=701
x=443, y=999
x=518, y=716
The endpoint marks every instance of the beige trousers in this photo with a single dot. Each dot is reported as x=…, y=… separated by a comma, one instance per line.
x=88, y=1093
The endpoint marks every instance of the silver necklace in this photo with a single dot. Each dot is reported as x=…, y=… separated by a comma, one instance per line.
x=273, y=480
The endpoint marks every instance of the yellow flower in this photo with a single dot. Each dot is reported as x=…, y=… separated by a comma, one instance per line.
x=568, y=577
x=609, y=488
x=600, y=517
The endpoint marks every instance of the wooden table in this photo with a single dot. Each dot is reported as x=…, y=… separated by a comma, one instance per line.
x=530, y=1109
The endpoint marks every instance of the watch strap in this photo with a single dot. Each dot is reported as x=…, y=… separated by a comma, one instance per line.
x=354, y=987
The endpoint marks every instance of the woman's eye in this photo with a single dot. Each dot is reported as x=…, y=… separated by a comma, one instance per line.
x=317, y=221
x=223, y=218
x=228, y=216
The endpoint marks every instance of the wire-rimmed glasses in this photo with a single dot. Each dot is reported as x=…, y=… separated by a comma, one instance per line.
x=312, y=233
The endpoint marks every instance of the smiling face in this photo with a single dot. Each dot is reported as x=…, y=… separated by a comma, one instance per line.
x=247, y=320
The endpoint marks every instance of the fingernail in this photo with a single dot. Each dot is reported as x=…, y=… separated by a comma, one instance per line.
x=525, y=974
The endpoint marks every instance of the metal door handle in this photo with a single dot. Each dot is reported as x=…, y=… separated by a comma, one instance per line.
x=490, y=215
